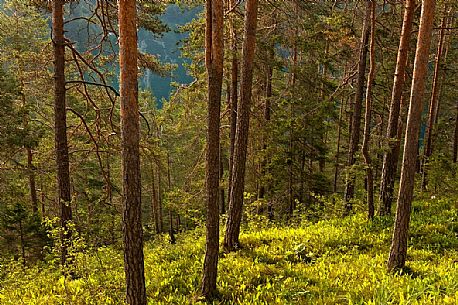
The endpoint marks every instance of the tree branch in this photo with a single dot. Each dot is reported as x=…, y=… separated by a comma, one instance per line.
x=94, y=84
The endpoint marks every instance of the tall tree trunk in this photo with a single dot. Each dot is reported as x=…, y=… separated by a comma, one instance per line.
x=234, y=92
x=32, y=183
x=368, y=117
x=155, y=210
x=21, y=240
x=339, y=136
x=433, y=105
x=398, y=250
x=455, y=142
x=169, y=188
x=222, y=201
x=390, y=158
x=130, y=134
x=214, y=56
x=60, y=126
x=322, y=159
x=231, y=238
x=267, y=110
x=357, y=109
x=290, y=158
x=160, y=192
x=43, y=198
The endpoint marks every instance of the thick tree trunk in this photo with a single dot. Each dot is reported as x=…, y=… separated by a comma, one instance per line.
x=233, y=93
x=130, y=136
x=357, y=109
x=60, y=126
x=398, y=250
x=433, y=105
x=231, y=238
x=368, y=117
x=390, y=158
x=214, y=56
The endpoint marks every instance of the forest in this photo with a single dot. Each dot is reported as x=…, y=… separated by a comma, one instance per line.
x=228, y=152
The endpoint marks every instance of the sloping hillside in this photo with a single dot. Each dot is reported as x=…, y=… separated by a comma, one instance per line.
x=337, y=261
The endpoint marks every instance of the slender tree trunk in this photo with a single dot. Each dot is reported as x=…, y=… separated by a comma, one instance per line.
x=339, y=136
x=113, y=211
x=222, y=203
x=130, y=137
x=173, y=240
x=268, y=96
x=455, y=142
x=233, y=93
x=21, y=240
x=160, y=193
x=43, y=197
x=169, y=188
x=32, y=183
x=357, y=109
x=156, y=218
x=368, y=118
x=267, y=117
x=231, y=238
x=214, y=56
x=398, y=250
x=290, y=157
x=322, y=159
x=433, y=105
x=390, y=158
x=60, y=126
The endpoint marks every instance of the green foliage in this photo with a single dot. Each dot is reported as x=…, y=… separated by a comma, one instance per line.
x=10, y=128
x=336, y=261
x=22, y=235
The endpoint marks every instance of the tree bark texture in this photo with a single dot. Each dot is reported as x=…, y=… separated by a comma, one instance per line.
x=233, y=93
x=214, y=55
x=398, y=250
x=357, y=109
x=368, y=116
x=433, y=105
x=130, y=136
x=231, y=238
x=391, y=156
x=60, y=126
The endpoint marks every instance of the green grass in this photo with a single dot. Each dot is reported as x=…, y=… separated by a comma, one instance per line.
x=337, y=261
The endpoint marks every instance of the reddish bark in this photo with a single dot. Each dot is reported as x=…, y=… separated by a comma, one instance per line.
x=130, y=137
x=214, y=56
x=398, y=250
x=231, y=238
x=390, y=158
x=60, y=126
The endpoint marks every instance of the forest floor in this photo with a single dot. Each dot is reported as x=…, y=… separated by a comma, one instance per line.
x=335, y=261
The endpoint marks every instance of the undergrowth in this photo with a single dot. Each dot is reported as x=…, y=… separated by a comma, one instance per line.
x=336, y=261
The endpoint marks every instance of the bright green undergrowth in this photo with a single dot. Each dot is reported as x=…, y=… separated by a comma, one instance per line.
x=337, y=261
